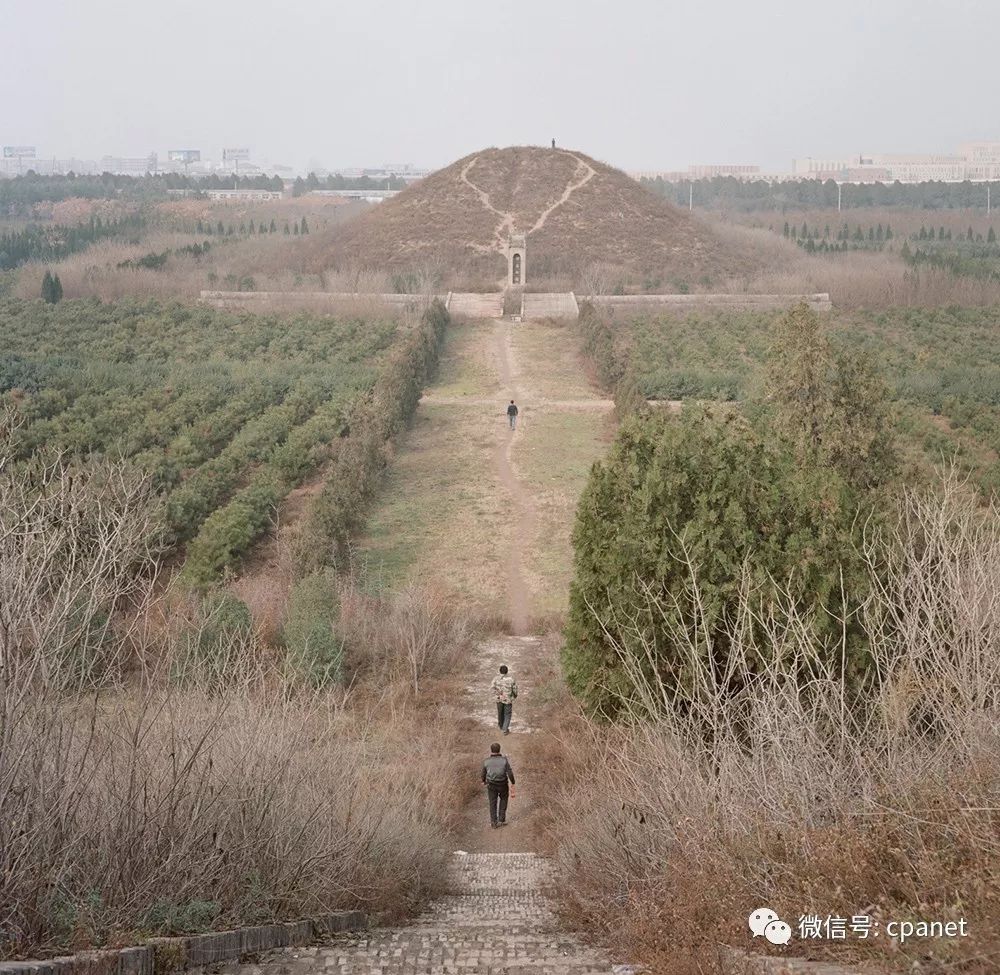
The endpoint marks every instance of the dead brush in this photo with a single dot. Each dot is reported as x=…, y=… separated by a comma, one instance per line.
x=163, y=777
x=800, y=791
x=408, y=635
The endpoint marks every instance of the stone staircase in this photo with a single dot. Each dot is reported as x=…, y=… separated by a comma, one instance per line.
x=473, y=305
x=552, y=305
x=497, y=920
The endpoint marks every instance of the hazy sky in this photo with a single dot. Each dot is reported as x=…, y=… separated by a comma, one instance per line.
x=638, y=83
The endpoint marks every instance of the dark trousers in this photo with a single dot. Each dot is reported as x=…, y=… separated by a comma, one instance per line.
x=504, y=712
x=498, y=794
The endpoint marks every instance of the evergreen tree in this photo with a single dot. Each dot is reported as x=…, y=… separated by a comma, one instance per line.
x=805, y=230
x=786, y=230
x=57, y=290
x=305, y=226
x=295, y=228
x=871, y=233
x=826, y=232
x=991, y=237
x=253, y=227
x=888, y=232
x=287, y=230
x=48, y=289
x=200, y=229
x=923, y=232
x=970, y=236
x=274, y=226
x=940, y=233
x=879, y=232
x=220, y=230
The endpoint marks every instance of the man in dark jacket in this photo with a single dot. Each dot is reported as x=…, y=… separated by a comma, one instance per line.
x=512, y=414
x=498, y=777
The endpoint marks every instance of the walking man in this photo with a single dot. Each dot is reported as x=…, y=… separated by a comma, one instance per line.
x=512, y=414
x=498, y=777
x=504, y=687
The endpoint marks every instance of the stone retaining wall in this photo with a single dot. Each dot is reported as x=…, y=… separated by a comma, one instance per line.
x=163, y=955
x=820, y=302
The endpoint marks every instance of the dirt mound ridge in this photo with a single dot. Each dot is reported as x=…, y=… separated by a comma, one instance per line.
x=577, y=213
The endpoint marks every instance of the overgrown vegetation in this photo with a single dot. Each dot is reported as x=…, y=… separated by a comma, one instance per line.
x=778, y=778
x=774, y=495
x=799, y=651
x=165, y=769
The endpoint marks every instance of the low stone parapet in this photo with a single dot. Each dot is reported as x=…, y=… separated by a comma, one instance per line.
x=161, y=956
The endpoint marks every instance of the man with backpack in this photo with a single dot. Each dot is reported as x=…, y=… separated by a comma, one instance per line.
x=498, y=777
x=504, y=688
x=512, y=414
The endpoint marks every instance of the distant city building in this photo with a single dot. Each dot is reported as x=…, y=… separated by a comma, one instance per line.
x=236, y=196
x=982, y=159
x=121, y=166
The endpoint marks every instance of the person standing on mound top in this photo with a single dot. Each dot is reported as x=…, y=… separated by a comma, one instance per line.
x=512, y=414
x=498, y=777
x=504, y=688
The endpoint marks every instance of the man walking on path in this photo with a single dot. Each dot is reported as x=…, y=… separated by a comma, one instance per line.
x=512, y=414
x=498, y=777
x=504, y=688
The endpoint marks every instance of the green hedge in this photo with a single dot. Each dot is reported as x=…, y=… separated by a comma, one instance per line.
x=338, y=510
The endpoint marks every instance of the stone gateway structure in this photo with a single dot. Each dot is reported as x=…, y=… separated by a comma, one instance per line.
x=516, y=261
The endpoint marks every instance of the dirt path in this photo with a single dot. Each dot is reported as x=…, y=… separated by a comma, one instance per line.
x=588, y=173
x=584, y=174
x=506, y=219
x=521, y=515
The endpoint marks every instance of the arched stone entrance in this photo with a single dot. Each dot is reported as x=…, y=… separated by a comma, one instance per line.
x=516, y=261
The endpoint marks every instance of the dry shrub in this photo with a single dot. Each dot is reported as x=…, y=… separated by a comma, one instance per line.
x=160, y=779
x=405, y=635
x=800, y=792
x=161, y=809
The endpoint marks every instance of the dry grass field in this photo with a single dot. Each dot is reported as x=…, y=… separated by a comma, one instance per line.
x=448, y=511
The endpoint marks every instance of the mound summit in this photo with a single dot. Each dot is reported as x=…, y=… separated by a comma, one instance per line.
x=578, y=215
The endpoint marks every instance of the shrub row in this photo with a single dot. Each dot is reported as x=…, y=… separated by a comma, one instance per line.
x=608, y=350
x=361, y=457
x=229, y=531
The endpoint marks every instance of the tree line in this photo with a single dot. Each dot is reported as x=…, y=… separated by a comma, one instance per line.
x=335, y=181
x=52, y=243
x=19, y=194
x=220, y=229
x=727, y=192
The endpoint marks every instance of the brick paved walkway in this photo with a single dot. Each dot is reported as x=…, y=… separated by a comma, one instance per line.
x=496, y=921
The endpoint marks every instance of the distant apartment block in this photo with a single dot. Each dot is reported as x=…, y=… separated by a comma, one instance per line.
x=243, y=196
x=973, y=161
